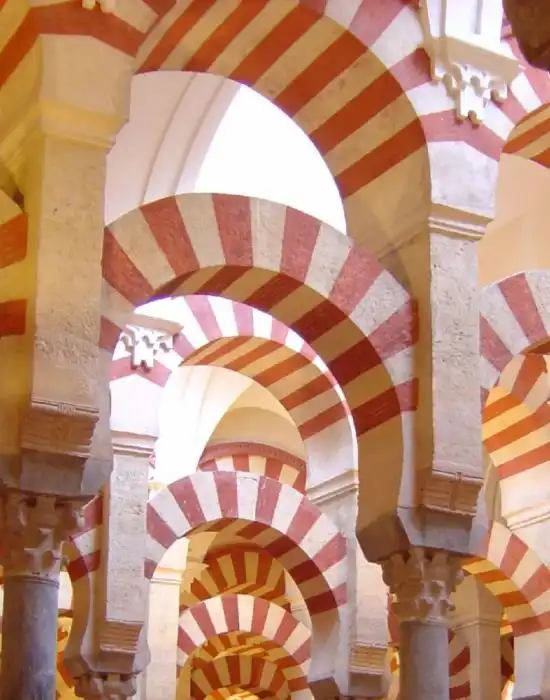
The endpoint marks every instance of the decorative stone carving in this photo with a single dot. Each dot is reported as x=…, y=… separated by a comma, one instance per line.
x=105, y=686
x=33, y=531
x=421, y=583
x=144, y=344
x=59, y=428
x=105, y=5
x=119, y=638
x=451, y=492
x=368, y=659
x=463, y=40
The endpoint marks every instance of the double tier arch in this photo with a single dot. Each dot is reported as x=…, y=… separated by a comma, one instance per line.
x=335, y=295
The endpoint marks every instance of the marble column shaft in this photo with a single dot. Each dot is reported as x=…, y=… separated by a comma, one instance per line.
x=33, y=530
x=421, y=583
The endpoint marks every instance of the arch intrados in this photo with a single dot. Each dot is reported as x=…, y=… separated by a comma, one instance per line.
x=293, y=637
x=307, y=381
x=249, y=674
x=276, y=459
x=208, y=501
x=514, y=319
x=266, y=573
x=341, y=58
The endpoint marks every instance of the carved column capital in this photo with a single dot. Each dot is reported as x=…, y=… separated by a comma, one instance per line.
x=105, y=686
x=34, y=528
x=421, y=583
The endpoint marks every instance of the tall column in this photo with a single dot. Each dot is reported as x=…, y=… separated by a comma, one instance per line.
x=421, y=583
x=33, y=530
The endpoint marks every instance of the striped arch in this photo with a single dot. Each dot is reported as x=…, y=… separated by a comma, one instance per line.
x=13, y=234
x=235, y=336
x=353, y=313
x=459, y=667
x=234, y=613
x=516, y=419
x=238, y=569
x=515, y=318
x=516, y=577
x=529, y=138
x=251, y=673
x=256, y=458
x=269, y=514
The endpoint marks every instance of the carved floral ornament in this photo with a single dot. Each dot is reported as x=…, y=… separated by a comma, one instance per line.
x=421, y=583
x=144, y=344
x=33, y=531
x=464, y=42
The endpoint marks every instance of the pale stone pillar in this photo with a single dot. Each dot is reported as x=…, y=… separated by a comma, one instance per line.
x=421, y=582
x=33, y=530
x=162, y=634
x=478, y=617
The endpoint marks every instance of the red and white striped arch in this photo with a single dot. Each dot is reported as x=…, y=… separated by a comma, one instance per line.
x=353, y=313
x=244, y=643
x=234, y=613
x=515, y=319
x=517, y=578
x=238, y=569
x=246, y=672
x=222, y=333
x=352, y=73
x=269, y=514
x=256, y=458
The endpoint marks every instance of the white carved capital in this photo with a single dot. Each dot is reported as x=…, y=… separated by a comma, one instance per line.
x=421, y=583
x=33, y=531
x=144, y=344
x=463, y=40
x=105, y=686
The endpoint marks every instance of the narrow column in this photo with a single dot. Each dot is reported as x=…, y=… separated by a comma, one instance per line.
x=421, y=583
x=34, y=528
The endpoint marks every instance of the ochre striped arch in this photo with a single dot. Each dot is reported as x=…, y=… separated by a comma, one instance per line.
x=246, y=672
x=516, y=577
x=353, y=313
x=256, y=458
x=64, y=683
x=244, y=643
x=234, y=613
x=529, y=138
x=13, y=234
x=238, y=569
x=515, y=320
x=252, y=343
x=263, y=511
x=516, y=418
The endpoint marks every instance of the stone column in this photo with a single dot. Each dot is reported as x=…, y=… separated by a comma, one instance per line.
x=33, y=530
x=421, y=582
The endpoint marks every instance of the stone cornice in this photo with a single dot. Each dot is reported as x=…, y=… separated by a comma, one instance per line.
x=341, y=485
x=132, y=444
x=525, y=517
